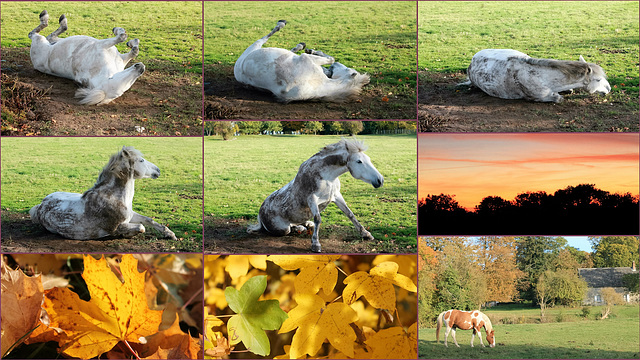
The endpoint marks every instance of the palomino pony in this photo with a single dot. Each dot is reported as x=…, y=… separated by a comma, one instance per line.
x=465, y=320
x=106, y=208
x=510, y=74
x=95, y=64
x=292, y=77
x=315, y=186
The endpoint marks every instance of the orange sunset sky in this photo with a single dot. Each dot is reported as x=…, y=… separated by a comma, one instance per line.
x=473, y=166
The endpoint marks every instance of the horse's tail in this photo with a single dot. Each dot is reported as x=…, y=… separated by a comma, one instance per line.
x=255, y=228
x=91, y=96
x=466, y=83
x=439, y=326
x=33, y=213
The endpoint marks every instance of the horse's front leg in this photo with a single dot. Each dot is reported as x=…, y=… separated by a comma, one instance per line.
x=120, y=36
x=480, y=336
x=134, y=44
x=318, y=57
x=312, y=202
x=129, y=230
x=342, y=205
x=141, y=219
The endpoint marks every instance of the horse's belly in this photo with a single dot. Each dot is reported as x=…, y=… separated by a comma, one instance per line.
x=496, y=73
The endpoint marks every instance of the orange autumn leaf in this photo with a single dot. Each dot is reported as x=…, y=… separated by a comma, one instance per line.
x=117, y=310
x=385, y=98
x=21, y=299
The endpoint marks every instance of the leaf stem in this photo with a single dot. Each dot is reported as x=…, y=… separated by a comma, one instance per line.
x=131, y=349
x=342, y=271
x=191, y=299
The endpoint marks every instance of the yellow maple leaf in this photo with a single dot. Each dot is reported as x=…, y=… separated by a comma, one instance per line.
x=117, y=310
x=377, y=286
x=316, y=271
x=394, y=343
x=21, y=299
x=316, y=322
x=238, y=265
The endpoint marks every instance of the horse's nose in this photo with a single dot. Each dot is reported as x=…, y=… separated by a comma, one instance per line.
x=379, y=182
x=139, y=67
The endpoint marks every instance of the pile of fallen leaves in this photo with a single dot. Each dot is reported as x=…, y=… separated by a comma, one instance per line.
x=19, y=106
x=128, y=313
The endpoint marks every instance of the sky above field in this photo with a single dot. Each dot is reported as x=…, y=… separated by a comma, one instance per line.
x=473, y=166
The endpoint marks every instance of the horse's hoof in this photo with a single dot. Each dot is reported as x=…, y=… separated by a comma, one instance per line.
x=62, y=17
x=282, y=21
x=316, y=249
x=43, y=13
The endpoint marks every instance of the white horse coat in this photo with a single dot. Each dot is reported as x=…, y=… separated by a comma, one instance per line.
x=510, y=74
x=104, y=210
x=293, y=77
x=95, y=64
x=315, y=186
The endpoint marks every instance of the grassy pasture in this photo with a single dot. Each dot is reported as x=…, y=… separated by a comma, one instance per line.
x=35, y=167
x=612, y=338
x=240, y=174
x=603, y=32
x=376, y=37
x=168, y=30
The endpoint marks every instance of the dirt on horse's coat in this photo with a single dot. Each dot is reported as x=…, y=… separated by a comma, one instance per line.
x=106, y=208
x=510, y=74
x=95, y=64
x=293, y=77
x=314, y=187
x=465, y=320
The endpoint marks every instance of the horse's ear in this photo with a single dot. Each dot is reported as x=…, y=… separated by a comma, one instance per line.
x=125, y=152
x=581, y=59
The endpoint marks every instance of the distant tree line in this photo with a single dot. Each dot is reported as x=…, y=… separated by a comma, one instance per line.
x=228, y=129
x=465, y=273
x=574, y=210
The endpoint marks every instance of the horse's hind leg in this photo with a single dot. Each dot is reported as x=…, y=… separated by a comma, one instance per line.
x=129, y=230
x=134, y=44
x=44, y=22
x=53, y=37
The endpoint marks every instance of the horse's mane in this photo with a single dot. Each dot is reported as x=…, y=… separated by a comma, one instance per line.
x=487, y=322
x=352, y=146
x=571, y=69
x=115, y=164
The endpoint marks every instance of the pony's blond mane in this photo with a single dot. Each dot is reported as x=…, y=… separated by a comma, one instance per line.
x=487, y=323
x=115, y=164
x=571, y=69
x=352, y=146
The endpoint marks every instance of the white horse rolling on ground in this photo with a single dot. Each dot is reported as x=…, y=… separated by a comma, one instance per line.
x=293, y=77
x=95, y=64
x=105, y=209
x=510, y=74
x=315, y=186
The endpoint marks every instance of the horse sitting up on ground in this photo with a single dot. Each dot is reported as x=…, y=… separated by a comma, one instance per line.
x=293, y=77
x=95, y=64
x=465, y=320
x=510, y=74
x=106, y=208
x=315, y=186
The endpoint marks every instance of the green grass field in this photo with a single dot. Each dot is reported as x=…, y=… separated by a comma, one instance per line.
x=613, y=338
x=169, y=32
x=377, y=37
x=604, y=32
x=35, y=167
x=240, y=174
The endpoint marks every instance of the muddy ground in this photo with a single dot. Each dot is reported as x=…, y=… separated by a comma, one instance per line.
x=165, y=100
x=224, y=236
x=20, y=235
x=444, y=107
x=225, y=98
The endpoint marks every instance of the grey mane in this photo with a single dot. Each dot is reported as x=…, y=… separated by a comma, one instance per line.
x=352, y=146
x=571, y=69
x=117, y=166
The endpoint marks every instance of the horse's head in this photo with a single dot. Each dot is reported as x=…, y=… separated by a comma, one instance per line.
x=360, y=167
x=337, y=71
x=491, y=338
x=596, y=80
x=140, y=166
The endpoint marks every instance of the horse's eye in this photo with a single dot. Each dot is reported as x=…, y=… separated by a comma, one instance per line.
x=359, y=161
x=141, y=160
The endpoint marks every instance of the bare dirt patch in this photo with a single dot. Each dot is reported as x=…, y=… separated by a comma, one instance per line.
x=225, y=98
x=226, y=236
x=444, y=107
x=165, y=100
x=20, y=235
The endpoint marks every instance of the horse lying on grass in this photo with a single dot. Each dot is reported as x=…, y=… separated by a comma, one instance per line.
x=465, y=320
x=510, y=74
x=316, y=186
x=95, y=64
x=106, y=208
x=292, y=77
